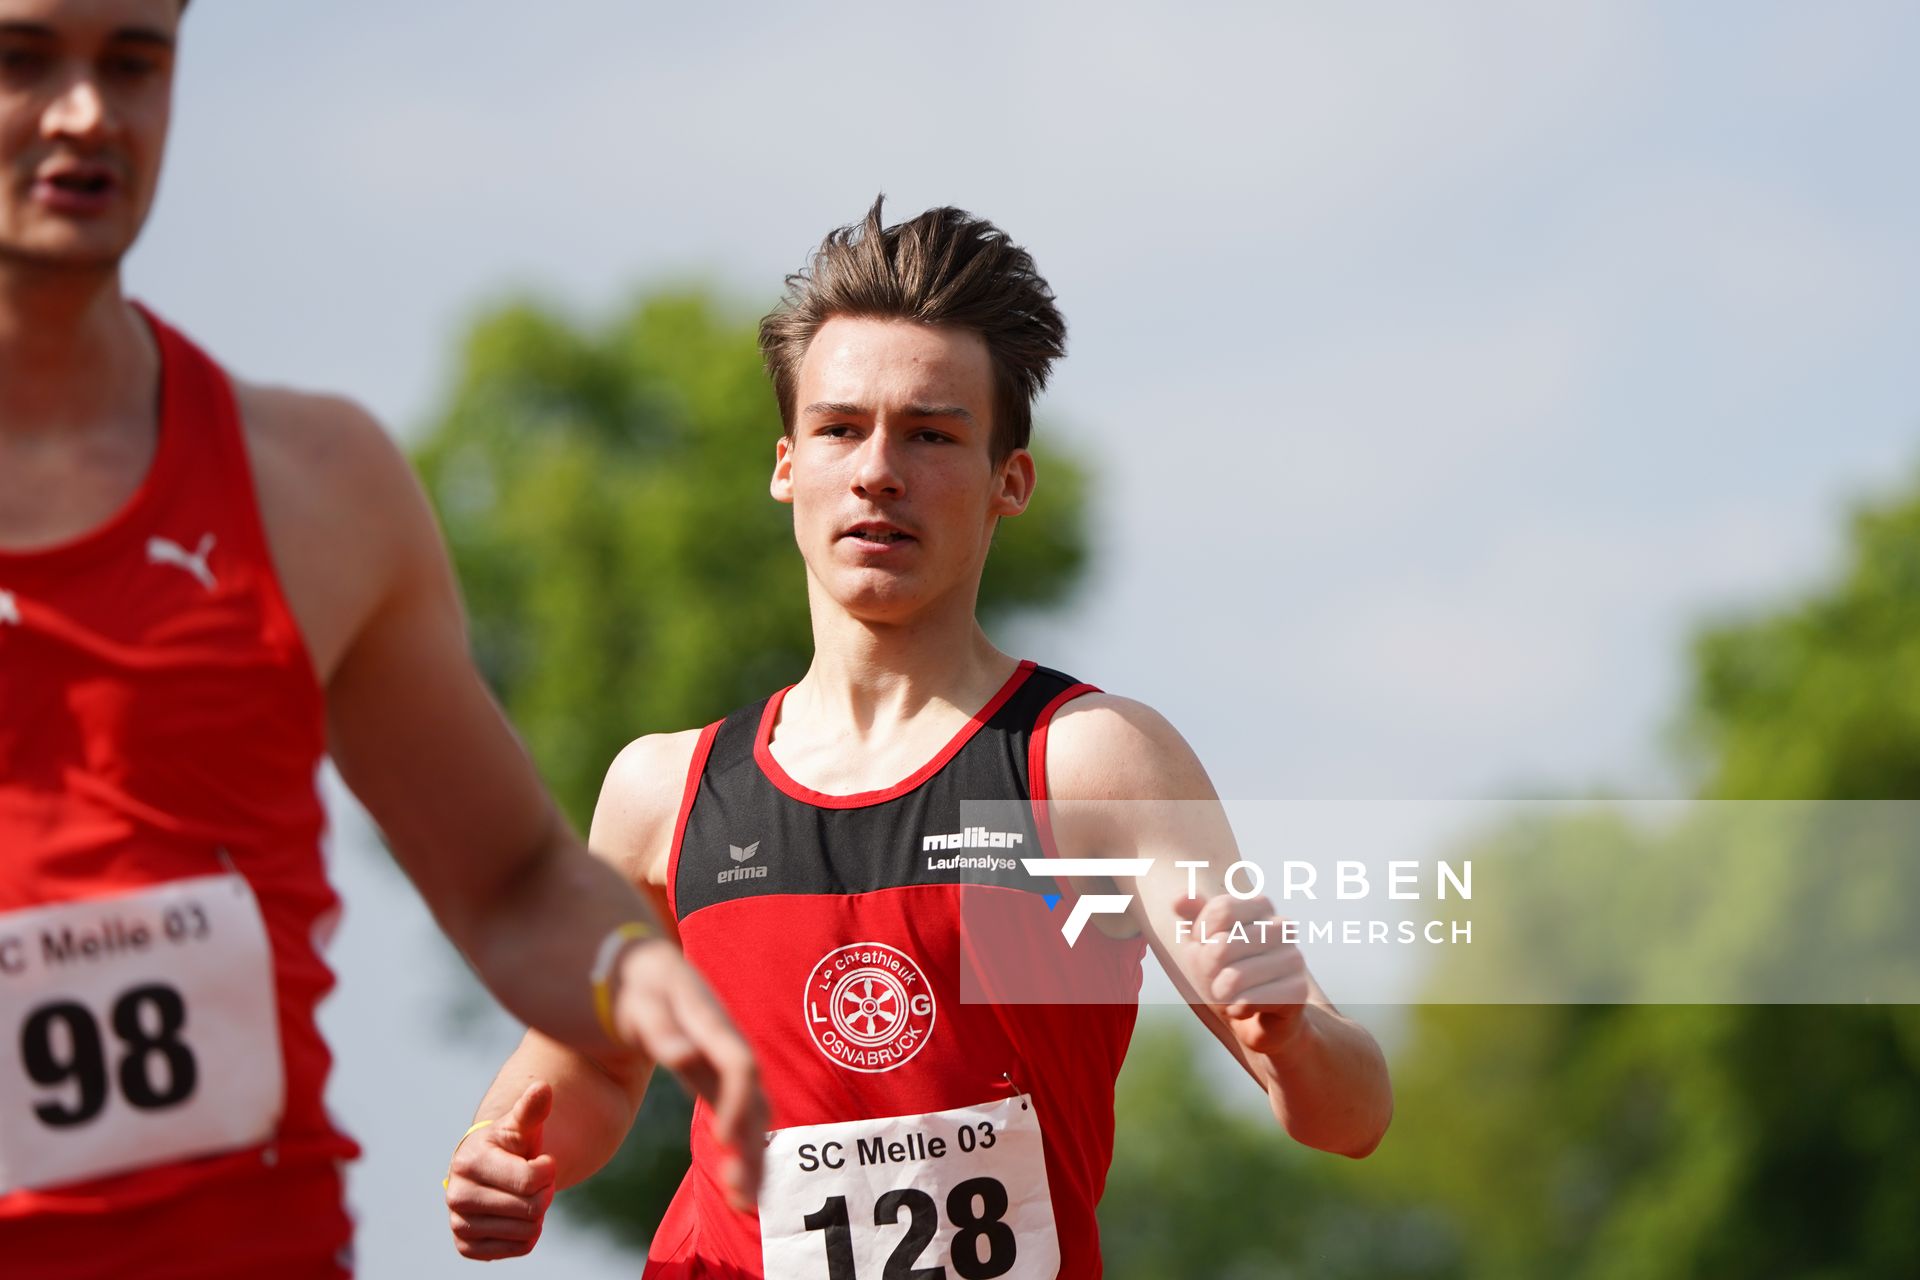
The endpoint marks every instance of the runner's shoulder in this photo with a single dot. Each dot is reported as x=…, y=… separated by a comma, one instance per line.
x=331, y=437
x=639, y=804
x=1102, y=746
x=323, y=454
x=327, y=471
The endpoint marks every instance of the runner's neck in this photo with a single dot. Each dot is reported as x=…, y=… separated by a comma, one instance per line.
x=863, y=677
x=74, y=356
x=881, y=708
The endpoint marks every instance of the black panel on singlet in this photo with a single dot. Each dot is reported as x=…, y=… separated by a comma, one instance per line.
x=745, y=836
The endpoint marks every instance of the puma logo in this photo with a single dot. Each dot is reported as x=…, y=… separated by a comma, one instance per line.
x=167, y=551
x=9, y=608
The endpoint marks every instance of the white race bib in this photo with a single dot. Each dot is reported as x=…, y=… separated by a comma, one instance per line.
x=134, y=1030
x=954, y=1195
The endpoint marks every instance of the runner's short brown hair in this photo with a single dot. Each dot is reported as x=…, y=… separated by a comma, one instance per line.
x=945, y=267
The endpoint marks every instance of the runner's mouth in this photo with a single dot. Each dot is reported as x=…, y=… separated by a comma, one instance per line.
x=86, y=184
x=882, y=535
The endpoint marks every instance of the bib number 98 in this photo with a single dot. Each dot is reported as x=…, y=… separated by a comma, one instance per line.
x=62, y=1046
x=984, y=1246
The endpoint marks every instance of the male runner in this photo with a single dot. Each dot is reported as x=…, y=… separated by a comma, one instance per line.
x=921, y=1130
x=203, y=586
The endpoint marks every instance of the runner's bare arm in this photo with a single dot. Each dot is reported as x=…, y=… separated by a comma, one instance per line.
x=589, y=1101
x=420, y=740
x=1126, y=784
x=597, y=1096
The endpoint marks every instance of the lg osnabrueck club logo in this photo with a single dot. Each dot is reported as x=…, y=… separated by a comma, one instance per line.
x=868, y=1006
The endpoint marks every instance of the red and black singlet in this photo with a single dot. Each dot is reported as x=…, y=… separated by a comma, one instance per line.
x=859, y=941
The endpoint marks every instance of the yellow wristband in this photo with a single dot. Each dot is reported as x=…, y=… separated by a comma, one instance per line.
x=612, y=947
x=472, y=1129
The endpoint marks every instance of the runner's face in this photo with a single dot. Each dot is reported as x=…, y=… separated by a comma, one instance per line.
x=86, y=88
x=894, y=490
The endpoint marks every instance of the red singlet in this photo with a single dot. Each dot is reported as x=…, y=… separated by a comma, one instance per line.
x=886, y=954
x=163, y=899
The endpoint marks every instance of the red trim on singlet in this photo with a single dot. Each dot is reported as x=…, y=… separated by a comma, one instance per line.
x=251, y=513
x=1037, y=765
x=695, y=768
x=197, y=409
x=763, y=752
x=170, y=449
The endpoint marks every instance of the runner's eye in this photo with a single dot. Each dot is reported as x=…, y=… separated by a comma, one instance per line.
x=130, y=66
x=17, y=64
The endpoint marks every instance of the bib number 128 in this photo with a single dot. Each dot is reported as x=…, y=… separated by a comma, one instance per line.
x=61, y=1044
x=984, y=1246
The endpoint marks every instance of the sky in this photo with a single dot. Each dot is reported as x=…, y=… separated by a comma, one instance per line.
x=1441, y=367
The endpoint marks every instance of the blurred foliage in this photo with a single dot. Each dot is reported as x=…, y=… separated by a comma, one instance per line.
x=1623, y=1142
x=1203, y=1185
x=1821, y=699
x=1652, y=1141
x=604, y=493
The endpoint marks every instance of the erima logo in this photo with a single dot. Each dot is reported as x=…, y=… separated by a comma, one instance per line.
x=167, y=551
x=738, y=854
x=972, y=838
x=1089, y=904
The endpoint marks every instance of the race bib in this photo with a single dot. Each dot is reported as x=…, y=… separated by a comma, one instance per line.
x=135, y=1030
x=959, y=1193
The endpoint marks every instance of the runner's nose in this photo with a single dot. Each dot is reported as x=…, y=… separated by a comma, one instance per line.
x=79, y=112
x=878, y=470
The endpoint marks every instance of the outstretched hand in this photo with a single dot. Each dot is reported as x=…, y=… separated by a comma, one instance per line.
x=666, y=1011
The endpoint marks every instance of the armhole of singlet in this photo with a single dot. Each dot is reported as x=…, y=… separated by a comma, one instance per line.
x=1037, y=796
x=1037, y=793
x=231, y=429
x=695, y=769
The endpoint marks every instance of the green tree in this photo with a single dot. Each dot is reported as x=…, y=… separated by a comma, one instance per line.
x=1204, y=1186
x=604, y=492
x=1607, y=1141
x=1653, y=1141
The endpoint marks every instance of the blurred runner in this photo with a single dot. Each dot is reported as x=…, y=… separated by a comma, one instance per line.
x=204, y=585
x=939, y=1055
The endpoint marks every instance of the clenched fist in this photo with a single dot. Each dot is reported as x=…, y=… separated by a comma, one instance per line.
x=1233, y=951
x=501, y=1183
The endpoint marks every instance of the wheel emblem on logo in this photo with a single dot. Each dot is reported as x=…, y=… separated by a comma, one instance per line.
x=868, y=1006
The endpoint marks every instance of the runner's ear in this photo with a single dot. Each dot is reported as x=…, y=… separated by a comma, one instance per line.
x=1014, y=481
x=781, y=486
